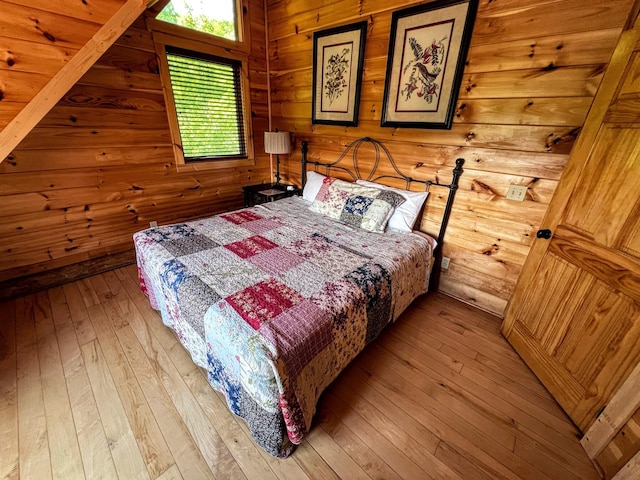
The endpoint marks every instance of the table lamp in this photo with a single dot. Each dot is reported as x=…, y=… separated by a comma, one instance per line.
x=277, y=143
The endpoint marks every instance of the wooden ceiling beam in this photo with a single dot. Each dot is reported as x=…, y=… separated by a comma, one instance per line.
x=158, y=7
x=68, y=75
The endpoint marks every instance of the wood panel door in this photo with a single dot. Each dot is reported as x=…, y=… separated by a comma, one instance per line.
x=575, y=314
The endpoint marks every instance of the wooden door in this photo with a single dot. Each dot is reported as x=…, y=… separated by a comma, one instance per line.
x=575, y=314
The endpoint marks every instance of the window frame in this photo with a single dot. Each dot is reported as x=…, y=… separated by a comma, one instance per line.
x=175, y=54
x=167, y=34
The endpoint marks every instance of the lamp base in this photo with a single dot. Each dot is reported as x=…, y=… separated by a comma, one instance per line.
x=277, y=169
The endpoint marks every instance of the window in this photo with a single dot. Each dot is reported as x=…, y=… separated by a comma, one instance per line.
x=207, y=93
x=215, y=17
x=206, y=82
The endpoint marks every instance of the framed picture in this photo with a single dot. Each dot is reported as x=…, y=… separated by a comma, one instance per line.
x=338, y=60
x=427, y=51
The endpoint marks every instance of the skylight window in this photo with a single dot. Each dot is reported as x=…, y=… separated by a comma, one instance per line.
x=215, y=17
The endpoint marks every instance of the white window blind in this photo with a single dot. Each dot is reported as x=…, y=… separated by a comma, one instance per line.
x=208, y=99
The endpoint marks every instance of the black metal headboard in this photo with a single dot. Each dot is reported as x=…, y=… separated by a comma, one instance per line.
x=355, y=174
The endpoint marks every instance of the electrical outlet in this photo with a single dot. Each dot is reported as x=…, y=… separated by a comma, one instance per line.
x=445, y=263
x=517, y=193
x=153, y=224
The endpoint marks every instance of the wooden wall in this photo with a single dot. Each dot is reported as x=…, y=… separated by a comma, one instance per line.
x=100, y=165
x=532, y=71
x=37, y=38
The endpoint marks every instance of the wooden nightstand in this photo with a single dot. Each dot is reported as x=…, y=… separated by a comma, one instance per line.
x=268, y=192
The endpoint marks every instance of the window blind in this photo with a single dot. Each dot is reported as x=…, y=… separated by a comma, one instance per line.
x=208, y=99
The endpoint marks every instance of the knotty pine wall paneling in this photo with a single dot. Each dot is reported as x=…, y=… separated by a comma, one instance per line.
x=532, y=71
x=37, y=38
x=100, y=165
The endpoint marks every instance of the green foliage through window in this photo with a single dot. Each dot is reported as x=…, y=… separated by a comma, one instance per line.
x=216, y=17
x=208, y=99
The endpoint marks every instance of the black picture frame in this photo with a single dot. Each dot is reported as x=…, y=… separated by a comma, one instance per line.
x=338, y=62
x=422, y=81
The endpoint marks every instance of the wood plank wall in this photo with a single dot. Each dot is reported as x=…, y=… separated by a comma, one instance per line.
x=532, y=71
x=37, y=38
x=100, y=165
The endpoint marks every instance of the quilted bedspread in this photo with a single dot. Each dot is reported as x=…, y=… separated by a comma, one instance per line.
x=275, y=300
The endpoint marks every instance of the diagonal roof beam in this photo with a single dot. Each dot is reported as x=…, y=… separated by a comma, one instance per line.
x=68, y=75
x=158, y=7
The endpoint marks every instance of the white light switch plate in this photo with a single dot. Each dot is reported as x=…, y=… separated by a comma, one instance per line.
x=516, y=192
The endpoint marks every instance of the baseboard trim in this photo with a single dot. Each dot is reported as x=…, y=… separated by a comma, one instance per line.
x=36, y=282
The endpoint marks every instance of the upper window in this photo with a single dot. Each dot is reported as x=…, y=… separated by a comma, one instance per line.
x=216, y=17
x=207, y=93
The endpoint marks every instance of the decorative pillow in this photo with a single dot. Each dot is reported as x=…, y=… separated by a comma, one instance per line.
x=312, y=186
x=364, y=207
x=405, y=215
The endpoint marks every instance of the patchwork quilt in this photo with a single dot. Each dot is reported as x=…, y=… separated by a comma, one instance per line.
x=275, y=300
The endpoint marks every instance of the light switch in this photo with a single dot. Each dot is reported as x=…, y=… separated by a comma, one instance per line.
x=517, y=193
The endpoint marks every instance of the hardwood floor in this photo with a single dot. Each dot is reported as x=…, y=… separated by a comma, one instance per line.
x=95, y=386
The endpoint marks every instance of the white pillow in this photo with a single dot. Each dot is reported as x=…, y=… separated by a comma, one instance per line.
x=404, y=217
x=312, y=187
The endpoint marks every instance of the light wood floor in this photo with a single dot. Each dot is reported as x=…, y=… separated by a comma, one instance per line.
x=94, y=386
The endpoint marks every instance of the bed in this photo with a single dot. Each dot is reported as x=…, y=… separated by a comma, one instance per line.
x=274, y=301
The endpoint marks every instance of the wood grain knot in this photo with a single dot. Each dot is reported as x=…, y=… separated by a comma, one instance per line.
x=491, y=250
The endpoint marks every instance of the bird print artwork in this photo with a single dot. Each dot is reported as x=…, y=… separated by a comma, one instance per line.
x=425, y=68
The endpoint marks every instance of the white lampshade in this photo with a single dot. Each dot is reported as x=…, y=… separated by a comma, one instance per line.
x=277, y=142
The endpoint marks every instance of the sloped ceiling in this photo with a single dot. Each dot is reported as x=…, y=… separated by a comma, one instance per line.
x=45, y=47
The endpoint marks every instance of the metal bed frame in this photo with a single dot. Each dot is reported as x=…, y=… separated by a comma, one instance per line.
x=355, y=175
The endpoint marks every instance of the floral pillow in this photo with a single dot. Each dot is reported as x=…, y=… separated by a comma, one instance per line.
x=361, y=206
